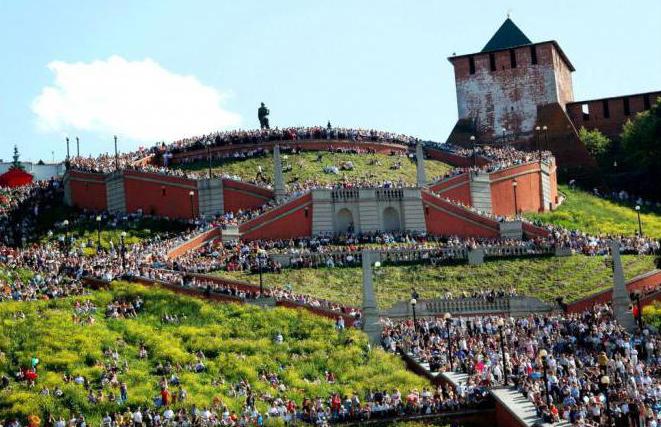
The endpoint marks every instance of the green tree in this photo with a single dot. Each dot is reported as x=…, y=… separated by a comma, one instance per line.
x=598, y=144
x=641, y=146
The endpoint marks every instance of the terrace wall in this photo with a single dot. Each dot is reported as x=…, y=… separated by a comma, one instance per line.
x=86, y=190
x=456, y=188
x=241, y=195
x=293, y=219
x=161, y=195
x=445, y=218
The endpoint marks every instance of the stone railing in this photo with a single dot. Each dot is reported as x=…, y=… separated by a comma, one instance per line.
x=389, y=194
x=341, y=194
x=516, y=251
x=511, y=306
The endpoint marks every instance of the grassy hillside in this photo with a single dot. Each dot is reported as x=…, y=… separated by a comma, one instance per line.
x=237, y=341
x=305, y=166
x=591, y=214
x=547, y=278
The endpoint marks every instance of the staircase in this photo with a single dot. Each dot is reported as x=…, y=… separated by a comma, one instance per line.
x=116, y=201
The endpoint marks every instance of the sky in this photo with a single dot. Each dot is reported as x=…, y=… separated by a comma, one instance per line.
x=150, y=71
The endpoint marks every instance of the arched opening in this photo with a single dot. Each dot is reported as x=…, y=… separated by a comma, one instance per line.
x=391, y=219
x=344, y=221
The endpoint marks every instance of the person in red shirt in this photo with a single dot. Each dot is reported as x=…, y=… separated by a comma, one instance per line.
x=165, y=396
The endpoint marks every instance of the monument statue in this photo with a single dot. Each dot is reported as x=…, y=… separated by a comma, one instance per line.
x=263, y=116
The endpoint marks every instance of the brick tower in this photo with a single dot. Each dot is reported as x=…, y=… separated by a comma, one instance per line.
x=512, y=86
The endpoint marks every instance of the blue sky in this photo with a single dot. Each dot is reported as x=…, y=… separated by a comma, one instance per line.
x=129, y=67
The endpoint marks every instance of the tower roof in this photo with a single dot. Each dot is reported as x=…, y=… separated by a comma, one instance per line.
x=507, y=36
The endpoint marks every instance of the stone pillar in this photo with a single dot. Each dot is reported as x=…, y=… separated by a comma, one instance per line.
x=621, y=301
x=278, y=180
x=371, y=324
x=476, y=256
x=420, y=165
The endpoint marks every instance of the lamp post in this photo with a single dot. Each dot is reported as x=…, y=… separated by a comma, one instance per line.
x=209, y=156
x=65, y=223
x=501, y=324
x=448, y=322
x=98, y=233
x=604, y=382
x=67, y=139
x=472, y=138
x=191, y=195
x=640, y=224
x=539, y=147
x=546, y=137
x=413, y=303
x=116, y=155
x=77, y=147
x=516, y=204
x=122, y=249
x=261, y=256
x=504, y=130
x=542, y=354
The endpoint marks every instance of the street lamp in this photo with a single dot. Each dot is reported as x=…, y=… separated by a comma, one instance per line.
x=122, y=249
x=516, y=204
x=504, y=130
x=261, y=257
x=116, y=155
x=209, y=156
x=501, y=324
x=191, y=194
x=472, y=138
x=604, y=382
x=77, y=147
x=413, y=303
x=546, y=137
x=98, y=233
x=65, y=223
x=640, y=224
x=542, y=354
x=448, y=322
x=539, y=148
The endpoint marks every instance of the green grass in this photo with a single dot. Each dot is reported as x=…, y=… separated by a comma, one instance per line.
x=237, y=341
x=86, y=232
x=305, y=167
x=594, y=215
x=546, y=278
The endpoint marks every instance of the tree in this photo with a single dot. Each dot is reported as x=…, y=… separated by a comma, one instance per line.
x=641, y=146
x=598, y=144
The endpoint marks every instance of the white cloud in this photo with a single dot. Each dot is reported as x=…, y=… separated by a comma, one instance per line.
x=138, y=100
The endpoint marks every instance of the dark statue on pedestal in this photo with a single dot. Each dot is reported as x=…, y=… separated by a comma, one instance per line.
x=263, y=115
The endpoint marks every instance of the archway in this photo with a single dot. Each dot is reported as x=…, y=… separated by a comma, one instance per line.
x=391, y=219
x=344, y=221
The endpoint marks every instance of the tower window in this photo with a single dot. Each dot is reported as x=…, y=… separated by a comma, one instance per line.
x=625, y=104
x=585, y=109
x=512, y=58
x=471, y=65
x=492, y=62
x=607, y=112
x=646, y=102
x=533, y=54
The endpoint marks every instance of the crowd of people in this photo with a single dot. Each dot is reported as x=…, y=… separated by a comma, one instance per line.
x=583, y=368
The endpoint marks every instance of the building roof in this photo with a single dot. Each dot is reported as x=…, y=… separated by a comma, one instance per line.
x=507, y=36
x=15, y=177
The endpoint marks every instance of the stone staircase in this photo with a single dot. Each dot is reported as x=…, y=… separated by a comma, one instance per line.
x=480, y=187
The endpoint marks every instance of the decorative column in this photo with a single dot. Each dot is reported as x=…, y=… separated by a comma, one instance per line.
x=371, y=324
x=278, y=180
x=420, y=165
x=621, y=300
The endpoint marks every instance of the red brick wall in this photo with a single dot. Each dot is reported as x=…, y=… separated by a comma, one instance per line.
x=528, y=189
x=456, y=188
x=88, y=190
x=160, y=194
x=293, y=219
x=504, y=418
x=611, y=126
x=637, y=284
x=195, y=242
x=443, y=219
x=240, y=195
